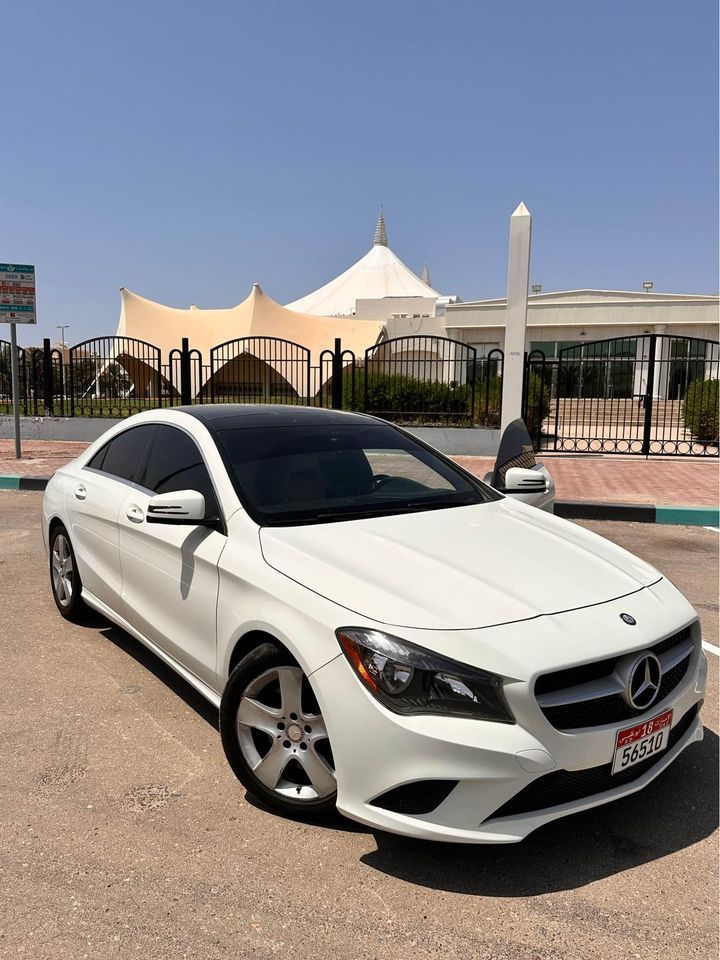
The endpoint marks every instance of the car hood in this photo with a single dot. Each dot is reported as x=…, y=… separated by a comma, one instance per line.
x=460, y=568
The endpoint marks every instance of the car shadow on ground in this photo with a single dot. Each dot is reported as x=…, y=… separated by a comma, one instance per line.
x=147, y=659
x=672, y=813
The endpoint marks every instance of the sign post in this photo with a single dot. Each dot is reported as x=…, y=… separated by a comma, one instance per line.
x=17, y=305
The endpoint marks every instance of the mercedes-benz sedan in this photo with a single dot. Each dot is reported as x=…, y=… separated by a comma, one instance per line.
x=382, y=632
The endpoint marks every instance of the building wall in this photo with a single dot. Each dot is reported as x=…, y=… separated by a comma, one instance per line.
x=386, y=308
x=586, y=315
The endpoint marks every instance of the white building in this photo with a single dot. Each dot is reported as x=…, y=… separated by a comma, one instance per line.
x=570, y=317
x=381, y=288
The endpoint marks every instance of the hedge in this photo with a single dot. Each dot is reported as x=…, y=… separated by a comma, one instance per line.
x=406, y=399
x=700, y=410
x=538, y=404
x=409, y=400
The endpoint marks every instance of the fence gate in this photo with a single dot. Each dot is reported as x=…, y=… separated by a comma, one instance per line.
x=650, y=395
x=260, y=370
x=115, y=377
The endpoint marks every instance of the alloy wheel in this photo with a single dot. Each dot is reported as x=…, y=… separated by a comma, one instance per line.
x=63, y=572
x=283, y=737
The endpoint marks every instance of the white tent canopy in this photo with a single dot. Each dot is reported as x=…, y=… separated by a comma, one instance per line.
x=380, y=273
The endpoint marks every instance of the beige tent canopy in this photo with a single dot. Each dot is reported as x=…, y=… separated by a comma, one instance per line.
x=261, y=366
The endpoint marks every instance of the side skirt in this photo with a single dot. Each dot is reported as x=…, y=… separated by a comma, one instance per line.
x=189, y=677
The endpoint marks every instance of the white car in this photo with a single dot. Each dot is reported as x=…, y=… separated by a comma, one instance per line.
x=382, y=632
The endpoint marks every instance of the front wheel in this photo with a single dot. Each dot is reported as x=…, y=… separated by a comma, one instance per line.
x=274, y=735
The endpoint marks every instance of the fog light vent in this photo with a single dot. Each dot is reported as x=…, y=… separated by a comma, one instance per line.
x=422, y=796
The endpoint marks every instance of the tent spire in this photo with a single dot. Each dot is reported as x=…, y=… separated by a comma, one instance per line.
x=426, y=274
x=380, y=239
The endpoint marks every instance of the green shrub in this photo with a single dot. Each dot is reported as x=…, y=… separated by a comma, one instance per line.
x=406, y=399
x=488, y=400
x=700, y=410
x=409, y=400
x=538, y=403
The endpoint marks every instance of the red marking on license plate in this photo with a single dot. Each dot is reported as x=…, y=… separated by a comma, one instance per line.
x=640, y=730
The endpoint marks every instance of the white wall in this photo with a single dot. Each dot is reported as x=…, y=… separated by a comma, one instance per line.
x=597, y=315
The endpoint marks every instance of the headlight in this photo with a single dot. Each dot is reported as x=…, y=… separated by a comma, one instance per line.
x=408, y=679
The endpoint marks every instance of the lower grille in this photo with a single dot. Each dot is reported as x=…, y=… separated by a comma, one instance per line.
x=422, y=796
x=566, y=786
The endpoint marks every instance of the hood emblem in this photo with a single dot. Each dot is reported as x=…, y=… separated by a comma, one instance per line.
x=642, y=681
x=627, y=618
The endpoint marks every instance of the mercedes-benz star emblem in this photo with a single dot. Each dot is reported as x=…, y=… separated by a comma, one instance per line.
x=627, y=618
x=643, y=682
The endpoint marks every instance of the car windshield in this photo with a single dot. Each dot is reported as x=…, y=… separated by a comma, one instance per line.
x=319, y=474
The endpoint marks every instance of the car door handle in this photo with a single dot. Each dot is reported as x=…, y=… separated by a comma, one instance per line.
x=134, y=513
x=80, y=492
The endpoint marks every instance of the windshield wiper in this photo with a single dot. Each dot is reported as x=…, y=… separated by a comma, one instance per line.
x=408, y=506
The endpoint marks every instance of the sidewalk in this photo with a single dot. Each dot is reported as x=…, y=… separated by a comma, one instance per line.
x=616, y=479
x=40, y=458
x=669, y=480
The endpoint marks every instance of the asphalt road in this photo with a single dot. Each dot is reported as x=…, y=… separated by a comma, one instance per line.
x=124, y=834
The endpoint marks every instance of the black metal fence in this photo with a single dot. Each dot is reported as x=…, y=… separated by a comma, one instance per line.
x=650, y=394
x=420, y=379
x=115, y=377
x=260, y=370
x=653, y=394
x=411, y=380
x=6, y=375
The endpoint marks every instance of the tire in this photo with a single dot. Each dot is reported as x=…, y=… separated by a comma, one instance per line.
x=65, y=581
x=275, y=738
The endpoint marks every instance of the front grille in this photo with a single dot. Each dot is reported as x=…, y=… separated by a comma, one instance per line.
x=422, y=796
x=611, y=709
x=567, y=786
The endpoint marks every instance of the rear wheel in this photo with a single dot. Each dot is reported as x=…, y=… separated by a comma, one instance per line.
x=64, y=577
x=275, y=737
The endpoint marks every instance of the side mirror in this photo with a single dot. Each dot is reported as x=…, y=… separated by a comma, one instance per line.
x=520, y=480
x=184, y=506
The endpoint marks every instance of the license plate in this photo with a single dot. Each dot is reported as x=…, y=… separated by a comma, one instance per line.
x=635, y=744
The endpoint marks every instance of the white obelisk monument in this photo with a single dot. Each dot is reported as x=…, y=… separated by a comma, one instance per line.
x=516, y=314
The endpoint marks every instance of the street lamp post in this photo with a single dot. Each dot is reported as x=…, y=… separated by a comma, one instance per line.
x=62, y=327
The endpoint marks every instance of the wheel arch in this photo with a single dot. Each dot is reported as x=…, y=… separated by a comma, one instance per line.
x=54, y=523
x=249, y=641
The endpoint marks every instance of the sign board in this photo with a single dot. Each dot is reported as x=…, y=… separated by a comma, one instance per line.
x=17, y=293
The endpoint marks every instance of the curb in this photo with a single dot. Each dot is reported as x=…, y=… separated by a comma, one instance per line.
x=639, y=513
x=568, y=509
x=23, y=483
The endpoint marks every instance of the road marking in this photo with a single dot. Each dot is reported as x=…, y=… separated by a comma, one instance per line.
x=711, y=647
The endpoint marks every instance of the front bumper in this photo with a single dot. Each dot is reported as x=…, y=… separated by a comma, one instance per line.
x=376, y=751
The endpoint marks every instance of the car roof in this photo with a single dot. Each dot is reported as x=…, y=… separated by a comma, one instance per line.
x=238, y=416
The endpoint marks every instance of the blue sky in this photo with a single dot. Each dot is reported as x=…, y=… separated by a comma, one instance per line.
x=188, y=150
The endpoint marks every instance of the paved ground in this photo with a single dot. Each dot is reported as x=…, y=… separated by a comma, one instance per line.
x=124, y=833
x=669, y=480
x=673, y=480
x=41, y=458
